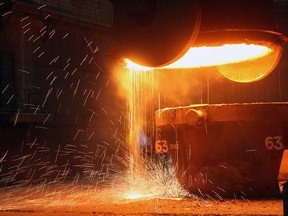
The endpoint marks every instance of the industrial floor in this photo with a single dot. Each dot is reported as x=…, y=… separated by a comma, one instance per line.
x=70, y=201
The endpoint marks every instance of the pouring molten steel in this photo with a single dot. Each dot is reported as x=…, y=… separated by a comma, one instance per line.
x=222, y=155
x=237, y=62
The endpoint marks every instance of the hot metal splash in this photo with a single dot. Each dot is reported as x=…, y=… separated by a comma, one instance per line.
x=67, y=134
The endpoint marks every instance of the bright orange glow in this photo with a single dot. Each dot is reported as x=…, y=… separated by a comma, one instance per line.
x=135, y=66
x=252, y=69
x=135, y=196
x=237, y=62
x=145, y=178
x=212, y=56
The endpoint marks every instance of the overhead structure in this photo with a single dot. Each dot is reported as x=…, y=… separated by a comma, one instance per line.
x=156, y=33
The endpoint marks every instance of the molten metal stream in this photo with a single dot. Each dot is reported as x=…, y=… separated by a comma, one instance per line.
x=140, y=109
x=146, y=179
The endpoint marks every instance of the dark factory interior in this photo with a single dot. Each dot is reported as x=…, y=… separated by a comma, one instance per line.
x=73, y=123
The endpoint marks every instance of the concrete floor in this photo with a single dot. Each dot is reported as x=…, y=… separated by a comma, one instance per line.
x=157, y=207
x=69, y=200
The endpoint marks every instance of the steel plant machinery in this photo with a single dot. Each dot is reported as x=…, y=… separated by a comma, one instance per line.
x=219, y=150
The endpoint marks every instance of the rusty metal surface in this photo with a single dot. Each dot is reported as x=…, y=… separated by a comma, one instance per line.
x=224, y=112
x=228, y=150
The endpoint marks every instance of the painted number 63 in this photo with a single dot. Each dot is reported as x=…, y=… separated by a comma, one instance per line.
x=161, y=146
x=274, y=142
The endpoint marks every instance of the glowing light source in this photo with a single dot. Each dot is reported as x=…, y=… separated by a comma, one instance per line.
x=219, y=55
x=254, y=68
x=132, y=65
x=136, y=195
x=145, y=178
x=237, y=62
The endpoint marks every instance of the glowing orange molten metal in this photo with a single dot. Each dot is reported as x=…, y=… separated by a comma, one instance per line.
x=237, y=62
